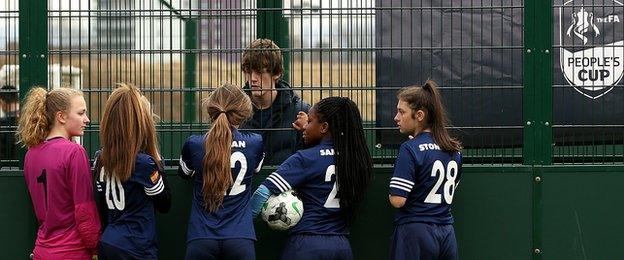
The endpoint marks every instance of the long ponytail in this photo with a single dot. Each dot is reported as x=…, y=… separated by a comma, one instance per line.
x=227, y=106
x=217, y=174
x=38, y=113
x=428, y=98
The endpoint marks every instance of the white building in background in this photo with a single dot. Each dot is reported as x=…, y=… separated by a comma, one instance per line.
x=159, y=33
x=8, y=24
x=331, y=24
x=70, y=23
x=155, y=30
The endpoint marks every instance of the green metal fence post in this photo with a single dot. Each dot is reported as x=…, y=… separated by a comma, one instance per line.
x=272, y=24
x=190, y=69
x=33, y=44
x=537, y=105
x=33, y=49
x=33, y=60
x=538, y=74
x=543, y=82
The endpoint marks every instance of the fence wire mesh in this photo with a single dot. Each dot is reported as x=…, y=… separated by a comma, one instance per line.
x=9, y=54
x=178, y=51
x=588, y=97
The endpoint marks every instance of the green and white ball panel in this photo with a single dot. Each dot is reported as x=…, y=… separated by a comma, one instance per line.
x=282, y=211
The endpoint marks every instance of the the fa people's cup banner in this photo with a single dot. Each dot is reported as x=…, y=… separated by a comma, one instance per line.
x=476, y=54
x=591, y=46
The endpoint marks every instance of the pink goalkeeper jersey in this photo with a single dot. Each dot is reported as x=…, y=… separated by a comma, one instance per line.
x=58, y=177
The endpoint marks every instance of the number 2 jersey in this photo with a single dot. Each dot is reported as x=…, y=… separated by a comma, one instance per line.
x=311, y=173
x=129, y=206
x=427, y=177
x=233, y=218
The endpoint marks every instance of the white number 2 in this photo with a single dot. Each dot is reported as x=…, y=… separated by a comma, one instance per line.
x=332, y=201
x=237, y=187
x=449, y=185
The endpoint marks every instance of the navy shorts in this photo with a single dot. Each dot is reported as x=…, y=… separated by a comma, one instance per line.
x=108, y=252
x=236, y=248
x=423, y=241
x=317, y=247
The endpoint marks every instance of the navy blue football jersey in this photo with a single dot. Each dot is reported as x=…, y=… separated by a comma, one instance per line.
x=233, y=219
x=427, y=177
x=311, y=173
x=131, y=217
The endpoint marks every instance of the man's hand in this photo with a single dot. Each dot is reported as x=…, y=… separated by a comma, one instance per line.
x=301, y=121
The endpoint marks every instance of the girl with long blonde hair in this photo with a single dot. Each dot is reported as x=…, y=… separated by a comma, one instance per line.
x=130, y=179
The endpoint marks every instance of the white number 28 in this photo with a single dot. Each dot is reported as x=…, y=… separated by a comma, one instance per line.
x=449, y=184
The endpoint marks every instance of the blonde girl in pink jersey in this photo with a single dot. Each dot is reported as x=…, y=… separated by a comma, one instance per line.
x=58, y=174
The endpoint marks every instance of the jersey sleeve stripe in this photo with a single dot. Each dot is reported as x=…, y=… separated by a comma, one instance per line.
x=401, y=184
x=100, y=181
x=275, y=174
x=276, y=183
x=185, y=168
x=411, y=183
x=157, y=189
x=400, y=187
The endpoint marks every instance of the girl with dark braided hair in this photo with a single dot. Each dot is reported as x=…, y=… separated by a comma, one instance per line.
x=331, y=179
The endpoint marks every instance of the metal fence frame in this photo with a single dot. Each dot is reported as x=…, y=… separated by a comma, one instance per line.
x=537, y=151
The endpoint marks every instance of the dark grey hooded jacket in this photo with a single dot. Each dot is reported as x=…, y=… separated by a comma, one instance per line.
x=280, y=139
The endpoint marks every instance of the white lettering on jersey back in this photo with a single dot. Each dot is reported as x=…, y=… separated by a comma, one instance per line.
x=325, y=152
x=238, y=144
x=428, y=146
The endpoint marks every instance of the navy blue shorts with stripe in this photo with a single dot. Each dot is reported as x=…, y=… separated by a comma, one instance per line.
x=234, y=249
x=317, y=247
x=423, y=241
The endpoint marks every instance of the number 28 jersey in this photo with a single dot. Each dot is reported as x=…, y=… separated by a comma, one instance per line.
x=233, y=219
x=427, y=177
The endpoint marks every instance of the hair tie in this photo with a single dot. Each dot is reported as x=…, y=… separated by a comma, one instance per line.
x=222, y=112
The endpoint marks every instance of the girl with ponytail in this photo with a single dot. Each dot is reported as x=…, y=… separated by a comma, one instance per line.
x=426, y=173
x=220, y=164
x=331, y=179
x=58, y=175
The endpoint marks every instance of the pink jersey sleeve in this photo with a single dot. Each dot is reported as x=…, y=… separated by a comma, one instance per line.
x=87, y=219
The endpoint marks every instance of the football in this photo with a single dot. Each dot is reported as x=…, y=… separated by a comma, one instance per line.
x=282, y=211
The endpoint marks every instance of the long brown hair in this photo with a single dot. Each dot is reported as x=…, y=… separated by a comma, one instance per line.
x=427, y=98
x=127, y=128
x=38, y=113
x=227, y=106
